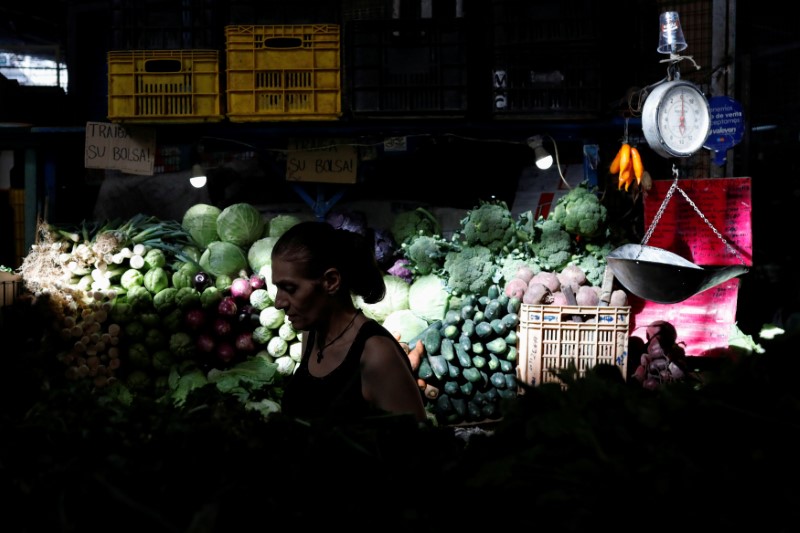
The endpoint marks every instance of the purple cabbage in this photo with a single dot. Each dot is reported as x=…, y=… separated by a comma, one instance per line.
x=354, y=221
x=398, y=269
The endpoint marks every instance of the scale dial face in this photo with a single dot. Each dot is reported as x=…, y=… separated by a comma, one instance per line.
x=676, y=120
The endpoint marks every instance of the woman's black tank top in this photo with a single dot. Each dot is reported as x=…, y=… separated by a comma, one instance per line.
x=338, y=394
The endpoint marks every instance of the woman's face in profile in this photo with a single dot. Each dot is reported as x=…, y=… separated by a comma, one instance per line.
x=302, y=299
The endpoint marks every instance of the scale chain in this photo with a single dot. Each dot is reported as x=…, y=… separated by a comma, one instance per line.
x=663, y=206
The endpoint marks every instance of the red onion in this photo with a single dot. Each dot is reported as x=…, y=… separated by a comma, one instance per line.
x=222, y=327
x=226, y=351
x=195, y=319
x=244, y=342
x=227, y=306
x=205, y=343
x=241, y=289
x=257, y=282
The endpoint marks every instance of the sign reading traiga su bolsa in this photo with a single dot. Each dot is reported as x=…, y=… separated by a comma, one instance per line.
x=321, y=160
x=112, y=146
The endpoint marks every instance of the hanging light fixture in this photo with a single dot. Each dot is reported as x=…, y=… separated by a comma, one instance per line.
x=543, y=158
x=198, y=179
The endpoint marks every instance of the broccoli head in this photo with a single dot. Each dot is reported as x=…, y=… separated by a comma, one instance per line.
x=425, y=253
x=490, y=224
x=469, y=270
x=591, y=258
x=553, y=246
x=580, y=212
x=419, y=221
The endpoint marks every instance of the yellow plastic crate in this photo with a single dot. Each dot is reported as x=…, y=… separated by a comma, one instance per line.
x=283, y=72
x=158, y=86
x=550, y=339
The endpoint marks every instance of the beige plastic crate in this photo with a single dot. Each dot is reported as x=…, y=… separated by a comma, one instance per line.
x=550, y=339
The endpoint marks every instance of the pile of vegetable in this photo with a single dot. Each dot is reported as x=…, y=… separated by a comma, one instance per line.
x=466, y=363
x=163, y=308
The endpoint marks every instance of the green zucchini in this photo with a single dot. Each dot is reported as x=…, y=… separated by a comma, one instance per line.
x=432, y=340
x=443, y=406
x=465, y=342
x=463, y=356
x=506, y=366
x=424, y=371
x=450, y=331
x=514, y=305
x=507, y=394
x=438, y=365
x=483, y=329
x=467, y=311
x=473, y=412
x=478, y=316
x=493, y=292
x=453, y=317
x=500, y=327
x=492, y=310
x=478, y=361
x=511, y=381
x=503, y=301
x=447, y=349
x=511, y=320
x=489, y=410
x=436, y=324
x=453, y=370
x=512, y=338
x=451, y=387
x=459, y=406
x=478, y=348
x=468, y=327
x=467, y=388
x=511, y=354
x=494, y=362
x=498, y=379
x=472, y=374
x=497, y=346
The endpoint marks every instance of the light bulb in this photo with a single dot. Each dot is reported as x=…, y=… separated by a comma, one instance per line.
x=198, y=178
x=544, y=162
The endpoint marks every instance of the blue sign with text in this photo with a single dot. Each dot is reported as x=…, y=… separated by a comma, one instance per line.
x=727, y=126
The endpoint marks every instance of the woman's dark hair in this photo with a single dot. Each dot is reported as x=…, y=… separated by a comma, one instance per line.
x=321, y=246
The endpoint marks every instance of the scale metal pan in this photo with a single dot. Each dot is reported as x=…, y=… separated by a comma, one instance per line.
x=664, y=277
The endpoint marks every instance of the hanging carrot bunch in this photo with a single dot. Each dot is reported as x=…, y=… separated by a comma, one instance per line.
x=628, y=165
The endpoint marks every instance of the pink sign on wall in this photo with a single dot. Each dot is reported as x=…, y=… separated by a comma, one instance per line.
x=705, y=320
x=724, y=202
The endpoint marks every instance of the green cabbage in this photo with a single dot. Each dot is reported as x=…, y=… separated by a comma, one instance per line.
x=280, y=223
x=260, y=253
x=200, y=222
x=223, y=259
x=396, y=298
x=260, y=299
x=240, y=224
x=428, y=298
x=271, y=317
x=406, y=323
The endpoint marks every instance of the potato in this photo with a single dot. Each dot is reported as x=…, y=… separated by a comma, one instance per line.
x=536, y=294
x=548, y=279
x=587, y=296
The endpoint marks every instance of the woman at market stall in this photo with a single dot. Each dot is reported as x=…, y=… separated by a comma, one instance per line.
x=351, y=367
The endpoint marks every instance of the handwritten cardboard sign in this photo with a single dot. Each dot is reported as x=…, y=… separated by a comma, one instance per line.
x=704, y=321
x=322, y=161
x=726, y=205
x=116, y=147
